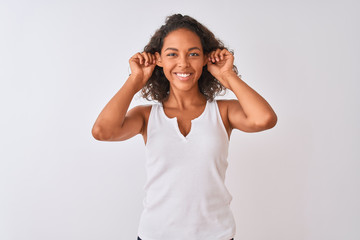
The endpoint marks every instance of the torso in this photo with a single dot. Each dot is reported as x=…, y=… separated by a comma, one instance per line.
x=184, y=117
x=175, y=162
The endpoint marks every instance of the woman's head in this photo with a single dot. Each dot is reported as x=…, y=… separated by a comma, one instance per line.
x=157, y=87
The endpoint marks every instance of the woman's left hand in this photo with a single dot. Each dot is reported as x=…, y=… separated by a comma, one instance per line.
x=220, y=64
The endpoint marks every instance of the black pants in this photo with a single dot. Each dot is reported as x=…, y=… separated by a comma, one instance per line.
x=140, y=238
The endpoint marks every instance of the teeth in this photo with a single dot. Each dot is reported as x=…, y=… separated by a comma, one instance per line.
x=183, y=74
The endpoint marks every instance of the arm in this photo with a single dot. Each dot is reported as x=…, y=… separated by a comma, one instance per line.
x=250, y=112
x=115, y=122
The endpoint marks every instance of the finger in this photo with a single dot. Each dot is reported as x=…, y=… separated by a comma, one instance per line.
x=134, y=58
x=212, y=57
x=223, y=53
x=151, y=58
x=217, y=54
x=140, y=57
x=146, y=58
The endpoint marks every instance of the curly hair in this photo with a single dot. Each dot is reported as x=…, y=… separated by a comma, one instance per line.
x=157, y=87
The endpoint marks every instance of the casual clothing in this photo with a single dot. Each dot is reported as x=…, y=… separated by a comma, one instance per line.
x=141, y=239
x=186, y=197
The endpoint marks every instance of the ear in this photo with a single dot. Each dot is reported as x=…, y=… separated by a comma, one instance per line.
x=206, y=59
x=158, y=59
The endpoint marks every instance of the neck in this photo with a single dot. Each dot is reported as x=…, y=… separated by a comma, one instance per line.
x=184, y=99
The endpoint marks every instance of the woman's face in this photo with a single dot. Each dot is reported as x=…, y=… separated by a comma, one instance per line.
x=182, y=59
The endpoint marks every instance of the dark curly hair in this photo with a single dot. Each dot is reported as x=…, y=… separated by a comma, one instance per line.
x=157, y=87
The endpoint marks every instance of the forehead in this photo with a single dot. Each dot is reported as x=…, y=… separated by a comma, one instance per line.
x=182, y=38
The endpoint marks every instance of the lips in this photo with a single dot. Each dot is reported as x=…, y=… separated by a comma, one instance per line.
x=183, y=76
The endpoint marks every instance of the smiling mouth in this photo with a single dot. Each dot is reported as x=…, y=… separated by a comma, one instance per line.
x=183, y=75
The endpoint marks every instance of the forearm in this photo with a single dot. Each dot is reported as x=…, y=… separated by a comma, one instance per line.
x=113, y=114
x=255, y=107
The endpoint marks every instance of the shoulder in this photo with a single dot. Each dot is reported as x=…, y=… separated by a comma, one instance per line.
x=229, y=105
x=141, y=110
x=230, y=109
x=224, y=104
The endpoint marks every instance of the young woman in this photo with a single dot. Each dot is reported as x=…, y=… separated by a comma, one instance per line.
x=186, y=132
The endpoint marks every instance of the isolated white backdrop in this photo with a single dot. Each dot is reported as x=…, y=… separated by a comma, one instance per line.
x=61, y=61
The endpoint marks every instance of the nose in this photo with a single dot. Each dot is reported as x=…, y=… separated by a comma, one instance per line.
x=183, y=61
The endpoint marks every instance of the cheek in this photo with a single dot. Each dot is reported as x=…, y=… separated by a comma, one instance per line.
x=167, y=67
x=200, y=67
x=167, y=71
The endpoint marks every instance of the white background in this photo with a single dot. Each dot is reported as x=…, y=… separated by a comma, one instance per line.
x=62, y=61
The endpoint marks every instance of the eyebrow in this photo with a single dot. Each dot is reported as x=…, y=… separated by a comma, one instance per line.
x=175, y=49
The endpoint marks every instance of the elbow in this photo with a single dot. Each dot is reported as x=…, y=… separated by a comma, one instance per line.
x=267, y=122
x=272, y=121
x=99, y=134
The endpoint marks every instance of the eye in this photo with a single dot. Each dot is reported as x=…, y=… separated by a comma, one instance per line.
x=194, y=54
x=171, y=54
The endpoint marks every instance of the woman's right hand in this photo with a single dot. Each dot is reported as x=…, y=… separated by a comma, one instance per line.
x=142, y=66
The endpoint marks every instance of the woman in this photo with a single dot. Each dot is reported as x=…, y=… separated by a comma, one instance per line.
x=187, y=132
